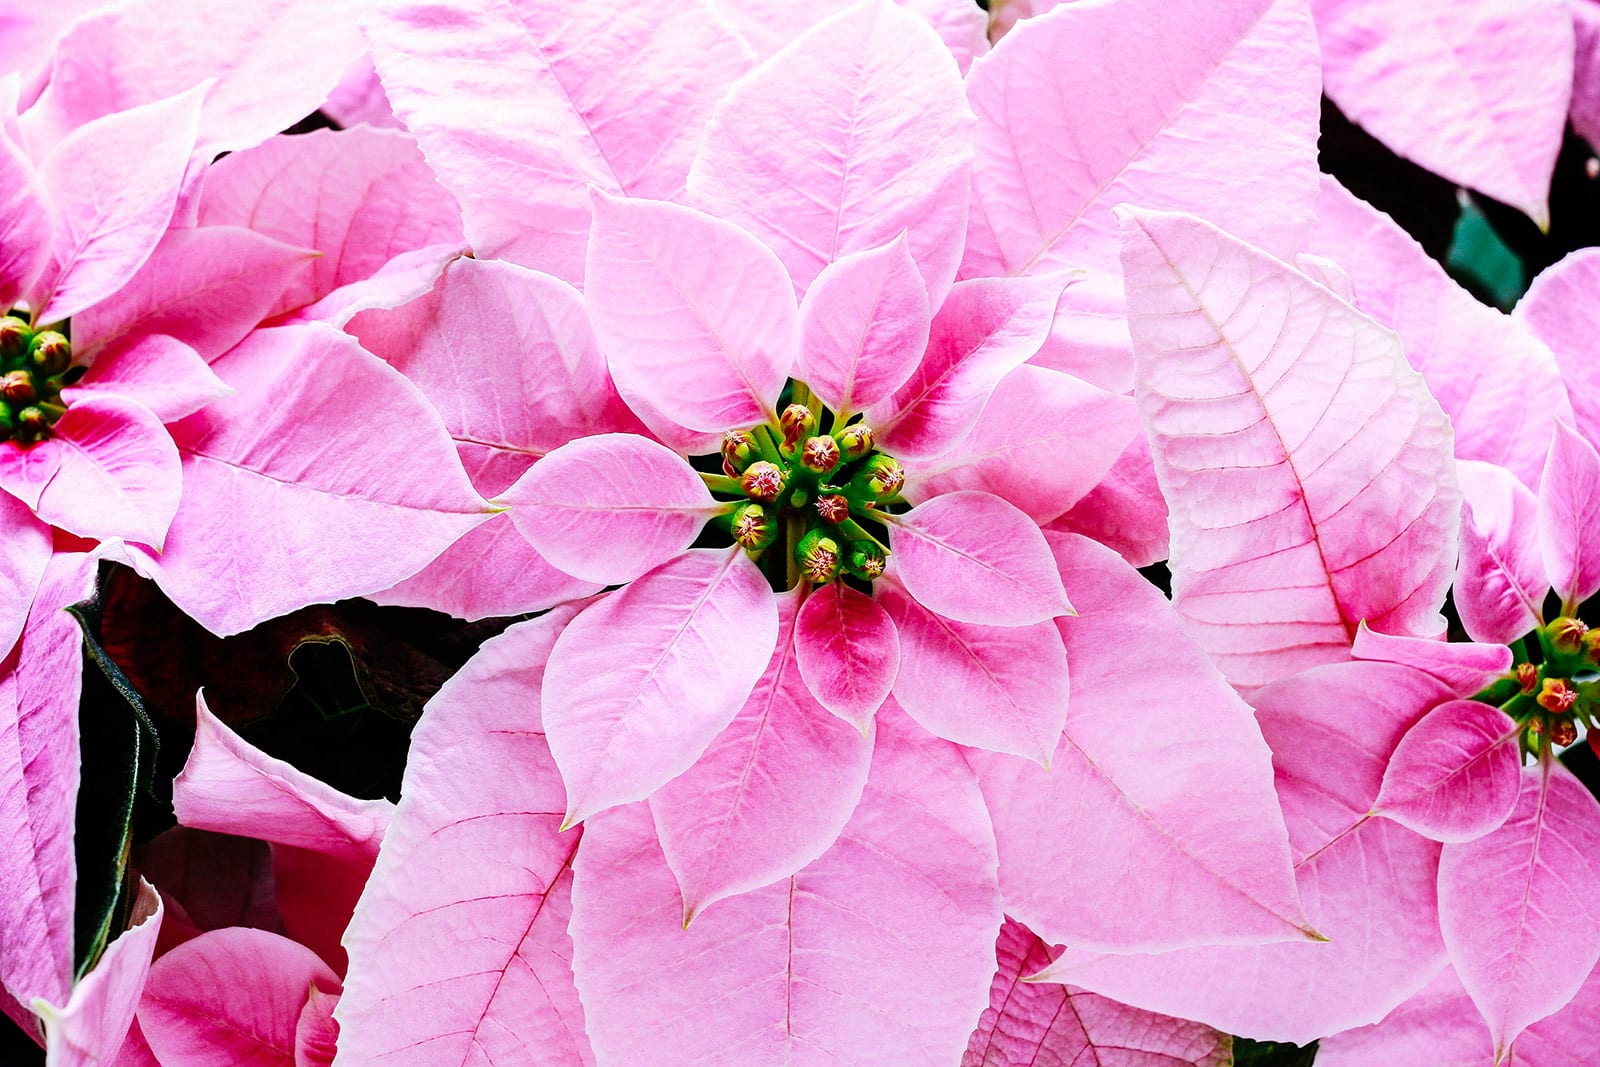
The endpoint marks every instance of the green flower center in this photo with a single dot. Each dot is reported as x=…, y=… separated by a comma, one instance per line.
x=807, y=495
x=35, y=365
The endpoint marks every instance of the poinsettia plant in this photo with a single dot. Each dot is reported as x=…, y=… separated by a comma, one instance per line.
x=956, y=533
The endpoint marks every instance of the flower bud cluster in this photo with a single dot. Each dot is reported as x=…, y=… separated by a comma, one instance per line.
x=813, y=484
x=33, y=366
x=1551, y=698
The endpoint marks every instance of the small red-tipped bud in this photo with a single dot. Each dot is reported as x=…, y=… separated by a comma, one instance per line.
x=738, y=451
x=1563, y=732
x=50, y=353
x=1556, y=695
x=797, y=422
x=17, y=387
x=833, y=508
x=14, y=338
x=34, y=419
x=1527, y=676
x=1591, y=647
x=762, y=481
x=752, y=527
x=866, y=560
x=1566, y=635
x=818, y=557
x=883, y=476
x=820, y=454
x=855, y=441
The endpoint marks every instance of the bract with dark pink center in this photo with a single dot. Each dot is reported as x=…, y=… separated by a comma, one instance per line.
x=1000, y=688
x=874, y=96
x=92, y=1026
x=1501, y=408
x=1308, y=470
x=1569, y=498
x=1368, y=884
x=772, y=791
x=609, y=507
x=885, y=942
x=695, y=316
x=1520, y=907
x=1455, y=774
x=847, y=650
x=1476, y=91
x=477, y=820
x=1500, y=580
x=1046, y=1023
x=640, y=683
x=191, y=1013
x=544, y=121
x=1156, y=825
x=974, y=558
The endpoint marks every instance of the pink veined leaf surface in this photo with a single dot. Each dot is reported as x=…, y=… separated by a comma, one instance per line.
x=517, y=123
x=863, y=327
x=40, y=681
x=1156, y=825
x=473, y=844
x=406, y=277
x=1043, y=442
x=192, y=1014
x=1126, y=511
x=886, y=942
x=1308, y=471
x=1584, y=110
x=1441, y=1027
x=135, y=1051
x=1569, y=499
x=309, y=481
x=1476, y=91
x=28, y=552
x=156, y=371
x=1455, y=775
x=610, y=507
x=1043, y=1024
x=1560, y=306
x=359, y=98
x=640, y=683
x=847, y=651
x=1369, y=885
x=769, y=25
x=104, y=64
x=770, y=794
x=26, y=230
x=316, y=1034
x=207, y=288
x=230, y=787
x=998, y=688
x=360, y=197
x=1500, y=579
x=1210, y=109
x=109, y=469
x=1464, y=666
x=875, y=98
x=91, y=1027
x=972, y=557
x=985, y=330
x=1502, y=408
x=1519, y=908
x=113, y=186
x=696, y=317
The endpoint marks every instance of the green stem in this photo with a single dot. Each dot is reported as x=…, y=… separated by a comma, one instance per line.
x=794, y=527
x=1517, y=704
x=767, y=444
x=720, y=483
x=856, y=532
